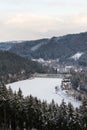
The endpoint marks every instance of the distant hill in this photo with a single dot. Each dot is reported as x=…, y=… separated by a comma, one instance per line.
x=14, y=64
x=69, y=49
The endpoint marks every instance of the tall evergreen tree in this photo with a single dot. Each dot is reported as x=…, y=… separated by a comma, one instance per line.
x=83, y=111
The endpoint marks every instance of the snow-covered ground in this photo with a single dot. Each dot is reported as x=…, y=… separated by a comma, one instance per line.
x=77, y=56
x=44, y=89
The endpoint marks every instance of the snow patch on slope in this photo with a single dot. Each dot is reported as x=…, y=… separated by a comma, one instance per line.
x=34, y=48
x=77, y=56
x=44, y=89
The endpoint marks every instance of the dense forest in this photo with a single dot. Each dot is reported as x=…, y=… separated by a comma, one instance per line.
x=11, y=63
x=24, y=113
x=62, y=48
x=14, y=67
x=79, y=80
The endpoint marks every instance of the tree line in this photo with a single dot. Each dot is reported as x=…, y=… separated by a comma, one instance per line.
x=14, y=67
x=19, y=113
x=79, y=80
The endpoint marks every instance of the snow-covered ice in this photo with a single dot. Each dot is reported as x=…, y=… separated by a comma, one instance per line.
x=44, y=89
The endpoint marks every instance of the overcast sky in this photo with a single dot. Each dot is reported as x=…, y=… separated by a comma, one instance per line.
x=35, y=19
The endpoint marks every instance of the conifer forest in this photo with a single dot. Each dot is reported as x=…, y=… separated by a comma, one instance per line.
x=25, y=113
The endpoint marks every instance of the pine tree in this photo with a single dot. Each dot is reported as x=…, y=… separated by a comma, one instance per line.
x=3, y=105
x=83, y=111
x=62, y=116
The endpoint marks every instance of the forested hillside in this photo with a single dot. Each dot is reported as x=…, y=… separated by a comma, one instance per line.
x=79, y=80
x=16, y=67
x=19, y=113
x=70, y=48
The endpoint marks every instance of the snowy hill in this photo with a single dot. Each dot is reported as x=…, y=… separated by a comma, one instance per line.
x=44, y=89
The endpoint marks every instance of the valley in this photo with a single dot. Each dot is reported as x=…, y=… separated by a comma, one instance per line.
x=43, y=65
x=43, y=82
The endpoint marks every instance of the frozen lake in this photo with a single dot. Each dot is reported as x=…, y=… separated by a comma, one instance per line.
x=44, y=89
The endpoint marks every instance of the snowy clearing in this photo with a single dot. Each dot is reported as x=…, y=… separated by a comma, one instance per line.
x=44, y=89
x=77, y=56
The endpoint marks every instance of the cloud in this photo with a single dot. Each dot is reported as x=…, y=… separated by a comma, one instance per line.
x=31, y=21
x=15, y=1
x=56, y=3
x=77, y=19
x=78, y=3
x=30, y=26
x=20, y=2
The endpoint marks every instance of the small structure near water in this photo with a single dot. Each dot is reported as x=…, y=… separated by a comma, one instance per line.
x=66, y=84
